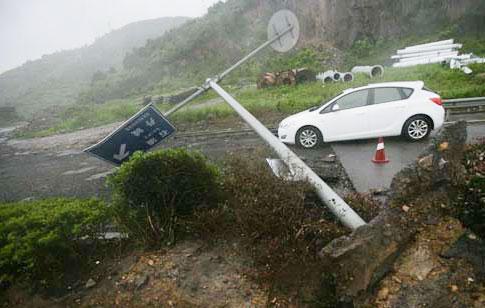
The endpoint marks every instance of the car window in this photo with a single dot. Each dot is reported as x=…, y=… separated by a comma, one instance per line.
x=353, y=100
x=406, y=92
x=385, y=95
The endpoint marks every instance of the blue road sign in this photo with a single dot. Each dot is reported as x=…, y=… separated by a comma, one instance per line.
x=141, y=132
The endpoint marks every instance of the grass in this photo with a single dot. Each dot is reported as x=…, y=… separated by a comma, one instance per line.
x=290, y=99
x=85, y=116
x=283, y=100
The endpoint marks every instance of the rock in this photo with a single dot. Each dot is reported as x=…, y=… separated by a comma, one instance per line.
x=418, y=264
x=405, y=208
x=443, y=146
x=358, y=261
x=383, y=294
x=331, y=158
x=442, y=163
x=150, y=262
x=90, y=283
x=141, y=281
x=426, y=162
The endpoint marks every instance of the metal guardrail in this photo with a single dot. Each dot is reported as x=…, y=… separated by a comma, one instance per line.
x=464, y=105
x=472, y=102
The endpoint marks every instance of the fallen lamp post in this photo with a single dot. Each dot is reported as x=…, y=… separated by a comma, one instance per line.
x=282, y=41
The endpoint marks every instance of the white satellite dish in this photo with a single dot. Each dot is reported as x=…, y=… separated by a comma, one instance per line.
x=280, y=22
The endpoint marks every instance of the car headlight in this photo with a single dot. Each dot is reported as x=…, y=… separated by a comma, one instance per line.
x=285, y=124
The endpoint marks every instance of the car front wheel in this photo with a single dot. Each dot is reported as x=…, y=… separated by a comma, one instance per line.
x=417, y=128
x=308, y=137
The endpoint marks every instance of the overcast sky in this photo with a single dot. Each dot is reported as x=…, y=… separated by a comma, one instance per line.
x=32, y=28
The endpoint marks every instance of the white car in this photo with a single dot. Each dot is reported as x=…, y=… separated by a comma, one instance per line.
x=377, y=110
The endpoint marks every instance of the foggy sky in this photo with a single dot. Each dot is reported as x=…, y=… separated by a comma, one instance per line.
x=32, y=28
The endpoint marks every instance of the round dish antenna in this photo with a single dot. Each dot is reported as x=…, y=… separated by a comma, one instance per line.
x=279, y=23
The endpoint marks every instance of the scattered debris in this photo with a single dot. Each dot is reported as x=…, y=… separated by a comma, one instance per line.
x=90, y=283
x=290, y=77
x=331, y=158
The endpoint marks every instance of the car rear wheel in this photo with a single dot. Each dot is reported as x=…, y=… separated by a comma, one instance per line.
x=417, y=128
x=309, y=137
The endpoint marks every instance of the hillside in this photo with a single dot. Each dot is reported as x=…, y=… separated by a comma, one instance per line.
x=205, y=46
x=58, y=78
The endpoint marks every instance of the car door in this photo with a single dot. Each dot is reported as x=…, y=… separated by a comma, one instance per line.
x=386, y=106
x=345, y=118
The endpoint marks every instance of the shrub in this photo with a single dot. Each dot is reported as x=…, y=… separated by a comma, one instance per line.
x=40, y=240
x=152, y=190
x=280, y=225
x=469, y=206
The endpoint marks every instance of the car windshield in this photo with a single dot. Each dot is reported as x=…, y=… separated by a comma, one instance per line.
x=322, y=104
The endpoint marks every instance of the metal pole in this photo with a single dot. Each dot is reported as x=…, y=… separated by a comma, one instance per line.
x=253, y=53
x=185, y=101
x=226, y=72
x=336, y=204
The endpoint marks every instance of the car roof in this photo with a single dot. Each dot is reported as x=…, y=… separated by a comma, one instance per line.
x=401, y=84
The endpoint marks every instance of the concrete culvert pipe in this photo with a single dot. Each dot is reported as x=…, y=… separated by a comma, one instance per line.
x=336, y=76
x=371, y=71
x=347, y=77
x=328, y=76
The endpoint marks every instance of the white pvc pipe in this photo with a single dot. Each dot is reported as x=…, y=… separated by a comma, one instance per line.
x=438, y=43
x=371, y=71
x=421, y=61
x=430, y=48
x=449, y=55
x=427, y=53
x=336, y=204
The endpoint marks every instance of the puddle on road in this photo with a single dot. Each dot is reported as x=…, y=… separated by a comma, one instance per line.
x=79, y=171
x=100, y=175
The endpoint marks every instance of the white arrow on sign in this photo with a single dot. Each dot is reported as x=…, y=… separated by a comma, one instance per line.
x=150, y=122
x=122, y=155
x=137, y=132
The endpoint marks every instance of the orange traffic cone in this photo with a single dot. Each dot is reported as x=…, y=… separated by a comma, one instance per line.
x=380, y=157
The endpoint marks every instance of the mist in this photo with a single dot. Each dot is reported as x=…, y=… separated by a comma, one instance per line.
x=32, y=28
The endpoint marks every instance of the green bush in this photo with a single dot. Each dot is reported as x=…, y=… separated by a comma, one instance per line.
x=152, y=190
x=469, y=205
x=40, y=240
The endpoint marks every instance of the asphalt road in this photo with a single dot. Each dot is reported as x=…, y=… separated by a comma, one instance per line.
x=56, y=166
x=356, y=158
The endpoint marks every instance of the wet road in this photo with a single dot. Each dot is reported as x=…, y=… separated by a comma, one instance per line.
x=51, y=167
x=356, y=158
x=56, y=166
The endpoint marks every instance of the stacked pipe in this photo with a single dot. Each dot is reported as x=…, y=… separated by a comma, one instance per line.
x=331, y=76
x=435, y=52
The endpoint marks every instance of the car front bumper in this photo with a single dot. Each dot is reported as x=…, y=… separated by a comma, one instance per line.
x=287, y=135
